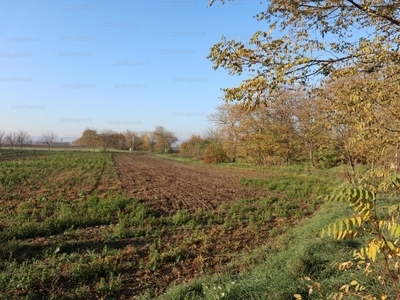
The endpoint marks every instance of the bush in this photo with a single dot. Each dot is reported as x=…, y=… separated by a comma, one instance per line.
x=214, y=154
x=327, y=159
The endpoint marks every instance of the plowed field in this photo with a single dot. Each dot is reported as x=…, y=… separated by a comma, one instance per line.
x=168, y=186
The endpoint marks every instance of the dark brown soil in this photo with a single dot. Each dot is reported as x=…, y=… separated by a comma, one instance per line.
x=168, y=186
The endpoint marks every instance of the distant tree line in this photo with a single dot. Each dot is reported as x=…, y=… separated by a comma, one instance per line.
x=17, y=139
x=21, y=138
x=160, y=140
x=302, y=126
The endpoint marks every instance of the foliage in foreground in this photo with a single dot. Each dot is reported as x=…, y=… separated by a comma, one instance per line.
x=379, y=253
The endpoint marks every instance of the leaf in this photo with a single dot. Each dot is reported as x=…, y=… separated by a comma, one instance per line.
x=297, y=296
x=345, y=288
x=354, y=282
x=340, y=229
x=393, y=229
x=347, y=222
x=390, y=245
x=372, y=251
x=397, y=232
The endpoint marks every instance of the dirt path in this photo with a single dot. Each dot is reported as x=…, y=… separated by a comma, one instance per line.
x=167, y=186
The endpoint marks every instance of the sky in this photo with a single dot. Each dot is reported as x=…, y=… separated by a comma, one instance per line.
x=123, y=64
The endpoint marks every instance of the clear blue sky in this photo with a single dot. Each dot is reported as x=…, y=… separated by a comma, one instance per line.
x=69, y=65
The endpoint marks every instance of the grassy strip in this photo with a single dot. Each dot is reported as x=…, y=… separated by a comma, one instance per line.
x=178, y=158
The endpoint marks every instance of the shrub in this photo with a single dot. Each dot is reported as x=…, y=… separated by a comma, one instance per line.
x=214, y=154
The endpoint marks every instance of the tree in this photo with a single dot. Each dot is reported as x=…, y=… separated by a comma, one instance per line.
x=312, y=124
x=119, y=141
x=316, y=39
x=89, y=138
x=213, y=134
x=266, y=135
x=365, y=116
x=131, y=139
x=194, y=147
x=10, y=139
x=258, y=143
x=2, y=133
x=228, y=119
x=22, y=138
x=148, y=142
x=164, y=139
x=48, y=138
x=109, y=138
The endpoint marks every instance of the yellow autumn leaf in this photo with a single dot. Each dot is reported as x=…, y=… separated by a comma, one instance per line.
x=372, y=251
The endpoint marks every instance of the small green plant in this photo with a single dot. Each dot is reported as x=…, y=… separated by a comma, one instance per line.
x=109, y=286
x=379, y=255
x=181, y=217
x=154, y=256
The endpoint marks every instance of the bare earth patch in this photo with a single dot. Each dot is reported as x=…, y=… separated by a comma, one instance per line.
x=167, y=186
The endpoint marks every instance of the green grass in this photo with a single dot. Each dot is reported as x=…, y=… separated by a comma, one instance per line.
x=183, y=159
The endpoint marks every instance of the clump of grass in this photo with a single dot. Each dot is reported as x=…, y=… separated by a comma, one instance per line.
x=64, y=215
x=294, y=186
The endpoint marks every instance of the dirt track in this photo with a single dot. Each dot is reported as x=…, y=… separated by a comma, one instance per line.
x=168, y=186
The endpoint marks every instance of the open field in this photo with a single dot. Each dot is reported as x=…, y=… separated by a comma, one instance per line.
x=123, y=226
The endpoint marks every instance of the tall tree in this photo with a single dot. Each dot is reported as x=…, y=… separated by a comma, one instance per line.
x=10, y=139
x=89, y=138
x=131, y=139
x=365, y=115
x=228, y=119
x=266, y=135
x=48, y=138
x=316, y=38
x=312, y=123
x=22, y=138
x=213, y=134
x=107, y=138
x=193, y=147
x=164, y=139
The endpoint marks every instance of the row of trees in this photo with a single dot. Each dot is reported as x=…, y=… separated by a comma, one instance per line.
x=307, y=125
x=22, y=138
x=19, y=138
x=160, y=140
